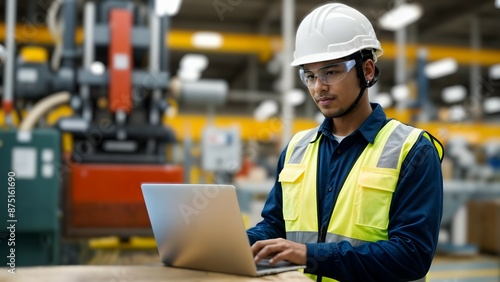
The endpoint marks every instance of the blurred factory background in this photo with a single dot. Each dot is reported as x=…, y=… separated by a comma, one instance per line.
x=101, y=96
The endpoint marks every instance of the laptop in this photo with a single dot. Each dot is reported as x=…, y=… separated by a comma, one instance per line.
x=199, y=226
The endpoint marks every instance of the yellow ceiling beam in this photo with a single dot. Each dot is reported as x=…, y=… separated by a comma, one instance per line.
x=192, y=126
x=462, y=55
x=35, y=34
x=265, y=45
x=476, y=133
x=262, y=45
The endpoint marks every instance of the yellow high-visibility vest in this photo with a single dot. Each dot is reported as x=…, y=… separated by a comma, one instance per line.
x=365, y=198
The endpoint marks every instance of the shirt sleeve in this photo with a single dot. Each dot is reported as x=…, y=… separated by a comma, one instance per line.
x=414, y=222
x=272, y=225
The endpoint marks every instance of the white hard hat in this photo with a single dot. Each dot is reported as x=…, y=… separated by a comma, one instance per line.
x=333, y=31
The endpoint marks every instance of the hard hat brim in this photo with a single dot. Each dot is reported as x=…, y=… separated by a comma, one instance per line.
x=328, y=56
x=320, y=57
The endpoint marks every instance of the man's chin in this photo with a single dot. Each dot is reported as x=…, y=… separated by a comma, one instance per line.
x=332, y=114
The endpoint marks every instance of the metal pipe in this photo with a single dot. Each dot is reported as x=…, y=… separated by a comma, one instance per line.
x=252, y=79
x=423, y=86
x=164, y=29
x=88, y=56
x=204, y=91
x=69, y=47
x=400, y=67
x=154, y=49
x=89, y=20
x=154, y=62
x=42, y=107
x=475, y=71
x=287, y=77
x=10, y=42
x=252, y=96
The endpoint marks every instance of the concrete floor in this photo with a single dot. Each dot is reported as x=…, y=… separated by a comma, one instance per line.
x=480, y=268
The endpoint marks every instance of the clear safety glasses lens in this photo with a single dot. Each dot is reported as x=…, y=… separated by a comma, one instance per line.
x=328, y=75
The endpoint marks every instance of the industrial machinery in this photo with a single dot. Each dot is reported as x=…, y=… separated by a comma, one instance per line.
x=79, y=171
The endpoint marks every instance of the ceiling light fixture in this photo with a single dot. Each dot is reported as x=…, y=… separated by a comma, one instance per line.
x=491, y=105
x=167, y=7
x=296, y=97
x=497, y=4
x=191, y=66
x=400, y=16
x=97, y=68
x=197, y=62
x=265, y=110
x=441, y=68
x=383, y=99
x=400, y=92
x=457, y=113
x=189, y=74
x=3, y=53
x=495, y=70
x=207, y=39
x=454, y=94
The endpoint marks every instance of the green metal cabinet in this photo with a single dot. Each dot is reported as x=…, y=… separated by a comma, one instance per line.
x=36, y=161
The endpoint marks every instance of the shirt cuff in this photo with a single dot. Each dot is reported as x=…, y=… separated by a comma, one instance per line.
x=320, y=254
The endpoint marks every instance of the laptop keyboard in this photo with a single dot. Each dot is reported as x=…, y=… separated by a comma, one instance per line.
x=264, y=264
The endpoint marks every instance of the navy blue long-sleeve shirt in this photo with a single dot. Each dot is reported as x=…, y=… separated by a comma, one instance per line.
x=414, y=217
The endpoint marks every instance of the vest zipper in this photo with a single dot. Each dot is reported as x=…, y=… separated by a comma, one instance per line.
x=321, y=239
x=322, y=234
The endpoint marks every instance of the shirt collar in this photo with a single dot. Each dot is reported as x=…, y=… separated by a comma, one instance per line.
x=368, y=129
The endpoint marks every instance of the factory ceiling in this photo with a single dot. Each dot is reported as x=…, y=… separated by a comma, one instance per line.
x=466, y=30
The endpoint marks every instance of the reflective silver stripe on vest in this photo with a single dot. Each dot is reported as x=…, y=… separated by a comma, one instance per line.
x=300, y=148
x=330, y=238
x=392, y=149
x=312, y=237
x=302, y=236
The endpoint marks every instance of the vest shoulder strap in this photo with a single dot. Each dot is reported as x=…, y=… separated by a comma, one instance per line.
x=298, y=145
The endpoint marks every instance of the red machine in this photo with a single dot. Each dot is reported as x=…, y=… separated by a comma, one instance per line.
x=107, y=198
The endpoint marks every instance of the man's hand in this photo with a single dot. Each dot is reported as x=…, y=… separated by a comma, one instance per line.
x=280, y=249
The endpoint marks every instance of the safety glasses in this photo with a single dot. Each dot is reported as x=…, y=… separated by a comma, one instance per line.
x=328, y=75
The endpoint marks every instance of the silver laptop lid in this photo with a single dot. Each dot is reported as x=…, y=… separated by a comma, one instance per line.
x=199, y=227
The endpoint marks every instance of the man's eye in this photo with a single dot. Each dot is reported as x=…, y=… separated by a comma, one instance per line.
x=310, y=77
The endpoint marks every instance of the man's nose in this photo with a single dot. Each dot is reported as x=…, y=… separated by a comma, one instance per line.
x=319, y=85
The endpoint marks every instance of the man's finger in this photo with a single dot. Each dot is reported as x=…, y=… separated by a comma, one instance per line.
x=269, y=250
x=257, y=246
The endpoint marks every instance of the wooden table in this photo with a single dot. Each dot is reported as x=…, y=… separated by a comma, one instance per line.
x=132, y=273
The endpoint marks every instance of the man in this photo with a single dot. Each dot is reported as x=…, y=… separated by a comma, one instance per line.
x=360, y=197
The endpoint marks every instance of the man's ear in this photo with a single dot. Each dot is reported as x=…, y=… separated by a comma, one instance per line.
x=369, y=69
